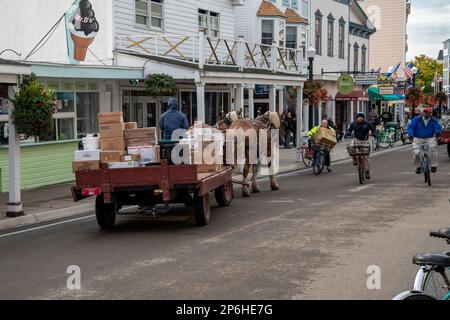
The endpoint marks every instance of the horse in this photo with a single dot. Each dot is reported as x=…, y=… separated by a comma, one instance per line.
x=269, y=121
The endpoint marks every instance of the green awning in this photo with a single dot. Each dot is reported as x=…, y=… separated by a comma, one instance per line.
x=374, y=94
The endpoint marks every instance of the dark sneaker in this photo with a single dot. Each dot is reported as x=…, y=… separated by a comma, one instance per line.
x=419, y=170
x=434, y=169
x=368, y=175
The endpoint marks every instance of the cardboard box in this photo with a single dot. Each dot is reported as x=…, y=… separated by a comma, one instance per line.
x=148, y=154
x=85, y=165
x=130, y=125
x=130, y=157
x=140, y=142
x=326, y=136
x=142, y=133
x=113, y=144
x=123, y=165
x=111, y=156
x=110, y=117
x=87, y=155
x=112, y=130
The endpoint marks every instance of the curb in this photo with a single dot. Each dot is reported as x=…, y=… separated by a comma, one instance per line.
x=30, y=219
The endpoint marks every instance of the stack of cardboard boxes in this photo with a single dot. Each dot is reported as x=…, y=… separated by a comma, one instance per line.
x=122, y=145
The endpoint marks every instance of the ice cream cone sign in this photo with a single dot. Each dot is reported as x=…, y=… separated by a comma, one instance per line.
x=81, y=28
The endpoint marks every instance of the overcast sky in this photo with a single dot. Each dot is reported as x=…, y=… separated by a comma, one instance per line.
x=428, y=27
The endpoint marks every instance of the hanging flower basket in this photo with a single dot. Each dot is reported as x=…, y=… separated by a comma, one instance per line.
x=414, y=97
x=34, y=107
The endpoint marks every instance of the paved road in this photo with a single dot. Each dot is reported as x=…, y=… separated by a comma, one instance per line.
x=313, y=239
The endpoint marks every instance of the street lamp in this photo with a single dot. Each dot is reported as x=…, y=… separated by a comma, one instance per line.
x=414, y=72
x=311, y=53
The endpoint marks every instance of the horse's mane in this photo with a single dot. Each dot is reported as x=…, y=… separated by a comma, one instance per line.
x=273, y=117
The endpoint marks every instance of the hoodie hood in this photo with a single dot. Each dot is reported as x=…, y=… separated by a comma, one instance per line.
x=173, y=104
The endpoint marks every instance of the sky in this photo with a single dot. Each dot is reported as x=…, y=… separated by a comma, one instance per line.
x=428, y=27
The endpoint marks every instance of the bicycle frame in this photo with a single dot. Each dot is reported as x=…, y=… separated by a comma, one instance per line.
x=421, y=277
x=424, y=156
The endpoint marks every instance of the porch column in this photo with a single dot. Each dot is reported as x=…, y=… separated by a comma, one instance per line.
x=319, y=120
x=299, y=112
x=201, y=102
x=281, y=99
x=351, y=111
x=272, y=99
x=14, y=206
x=333, y=110
x=116, y=96
x=233, y=97
x=306, y=118
x=239, y=100
x=251, y=102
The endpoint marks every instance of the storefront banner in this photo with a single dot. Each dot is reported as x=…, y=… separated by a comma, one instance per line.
x=81, y=29
x=366, y=80
x=386, y=90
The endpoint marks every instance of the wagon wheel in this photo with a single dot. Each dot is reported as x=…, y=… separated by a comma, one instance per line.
x=202, y=210
x=105, y=212
x=224, y=194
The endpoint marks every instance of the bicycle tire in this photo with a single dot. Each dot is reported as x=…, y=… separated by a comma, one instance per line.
x=307, y=161
x=319, y=164
x=434, y=284
x=384, y=142
x=361, y=176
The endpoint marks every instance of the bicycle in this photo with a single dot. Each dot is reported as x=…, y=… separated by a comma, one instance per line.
x=319, y=161
x=307, y=155
x=386, y=138
x=433, y=278
x=404, y=137
x=360, y=152
x=425, y=161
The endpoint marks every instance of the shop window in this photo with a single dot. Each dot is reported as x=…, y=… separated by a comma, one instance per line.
x=65, y=129
x=87, y=110
x=65, y=101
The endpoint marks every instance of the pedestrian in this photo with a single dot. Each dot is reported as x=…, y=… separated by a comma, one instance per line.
x=387, y=116
x=172, y=120
x=287, y=122
x=373, y=118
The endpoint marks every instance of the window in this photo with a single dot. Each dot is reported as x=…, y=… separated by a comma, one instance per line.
x=267, y=34
x=286, y=3
x=291, y=37
x=305, y=8
x=355, y=57
x=208, y=23
x=363, y=58
x=87, y=110
x=294, y=4
x=318, y=30
x=149, y=13
x=330, y=38
x=341, y=38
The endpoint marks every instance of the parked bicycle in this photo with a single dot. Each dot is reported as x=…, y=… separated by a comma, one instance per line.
x=360, y=152
x=386, y=138
x=319, y=162
x=404, y=137
x=433, y=279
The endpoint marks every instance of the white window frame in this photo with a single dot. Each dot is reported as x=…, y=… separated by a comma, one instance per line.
x=210, y=16
x=150, y=16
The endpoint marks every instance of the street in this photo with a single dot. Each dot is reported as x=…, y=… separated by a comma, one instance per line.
x=313, y=239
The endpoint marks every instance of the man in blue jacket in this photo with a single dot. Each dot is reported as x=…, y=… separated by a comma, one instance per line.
x=425, y=129
x=172, y=120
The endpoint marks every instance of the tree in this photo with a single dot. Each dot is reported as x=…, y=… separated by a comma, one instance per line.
x=428, y=68
x=34, y=107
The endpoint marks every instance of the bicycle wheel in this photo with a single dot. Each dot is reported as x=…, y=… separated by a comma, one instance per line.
x=385, y=141
x=319, y=164
x=306, y=160
x=361, y=171
x=435, y=284
x=427, y=172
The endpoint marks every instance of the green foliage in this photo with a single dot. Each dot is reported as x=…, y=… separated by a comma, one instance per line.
x=34, y=108
x=161, y=85
x=428, y=67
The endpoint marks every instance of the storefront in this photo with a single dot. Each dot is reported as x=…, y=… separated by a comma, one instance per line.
x=392, y=103
x=348, y=105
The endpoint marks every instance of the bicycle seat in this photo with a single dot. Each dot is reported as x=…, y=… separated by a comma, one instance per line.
x=432, y=259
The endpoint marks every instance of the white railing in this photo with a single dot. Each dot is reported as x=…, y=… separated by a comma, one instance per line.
x=211, y=51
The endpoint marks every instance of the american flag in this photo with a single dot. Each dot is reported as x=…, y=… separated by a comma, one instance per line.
x=407, y=70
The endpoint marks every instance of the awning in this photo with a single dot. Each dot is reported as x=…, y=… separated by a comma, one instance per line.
x=375, y=95
x=356, y=95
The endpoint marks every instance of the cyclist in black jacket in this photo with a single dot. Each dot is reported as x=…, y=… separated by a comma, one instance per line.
x=362, y=130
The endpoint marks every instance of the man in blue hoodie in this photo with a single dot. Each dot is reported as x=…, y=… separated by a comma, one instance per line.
x=172, y=120
x=425, y=129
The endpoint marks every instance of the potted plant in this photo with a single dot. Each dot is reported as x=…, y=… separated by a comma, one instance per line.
x=34, y=107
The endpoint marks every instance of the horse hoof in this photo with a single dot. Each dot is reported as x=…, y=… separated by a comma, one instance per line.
x=275, y=187
x=246, y=195
x=256, y=190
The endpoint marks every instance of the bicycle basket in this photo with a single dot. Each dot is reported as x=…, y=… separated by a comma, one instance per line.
x=322, y=146
x=358, y=150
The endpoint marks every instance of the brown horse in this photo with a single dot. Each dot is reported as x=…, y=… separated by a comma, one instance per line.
x=269, y=121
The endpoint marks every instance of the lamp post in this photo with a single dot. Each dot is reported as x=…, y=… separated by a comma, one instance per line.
x=414, y=72
x=310, y=53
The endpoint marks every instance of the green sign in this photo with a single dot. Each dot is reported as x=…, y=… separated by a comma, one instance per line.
x=345, y=84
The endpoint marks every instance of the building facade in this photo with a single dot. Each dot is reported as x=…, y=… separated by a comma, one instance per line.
x=446, y=62
x=390, y=43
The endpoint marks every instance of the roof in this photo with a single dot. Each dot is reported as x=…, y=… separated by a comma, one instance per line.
x=268, y=9
x=10, y=62
x=441, y=55
x=294, y=17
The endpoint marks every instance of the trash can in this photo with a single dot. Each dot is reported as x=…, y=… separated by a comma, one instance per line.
x=395, y=126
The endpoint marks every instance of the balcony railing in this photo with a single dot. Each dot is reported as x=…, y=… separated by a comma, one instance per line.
x=220, y=52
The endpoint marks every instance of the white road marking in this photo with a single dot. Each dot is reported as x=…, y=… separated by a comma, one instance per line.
x=45, y=226
x=361, y=188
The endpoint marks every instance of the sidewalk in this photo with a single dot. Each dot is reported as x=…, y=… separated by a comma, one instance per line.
x=55, y=202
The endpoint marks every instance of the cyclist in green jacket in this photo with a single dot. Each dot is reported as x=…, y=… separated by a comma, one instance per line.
x=312, y=137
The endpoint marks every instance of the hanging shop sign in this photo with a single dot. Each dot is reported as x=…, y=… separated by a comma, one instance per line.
x=366, y=80
x=81, y=29
x=345, y=84
x=386, y=90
